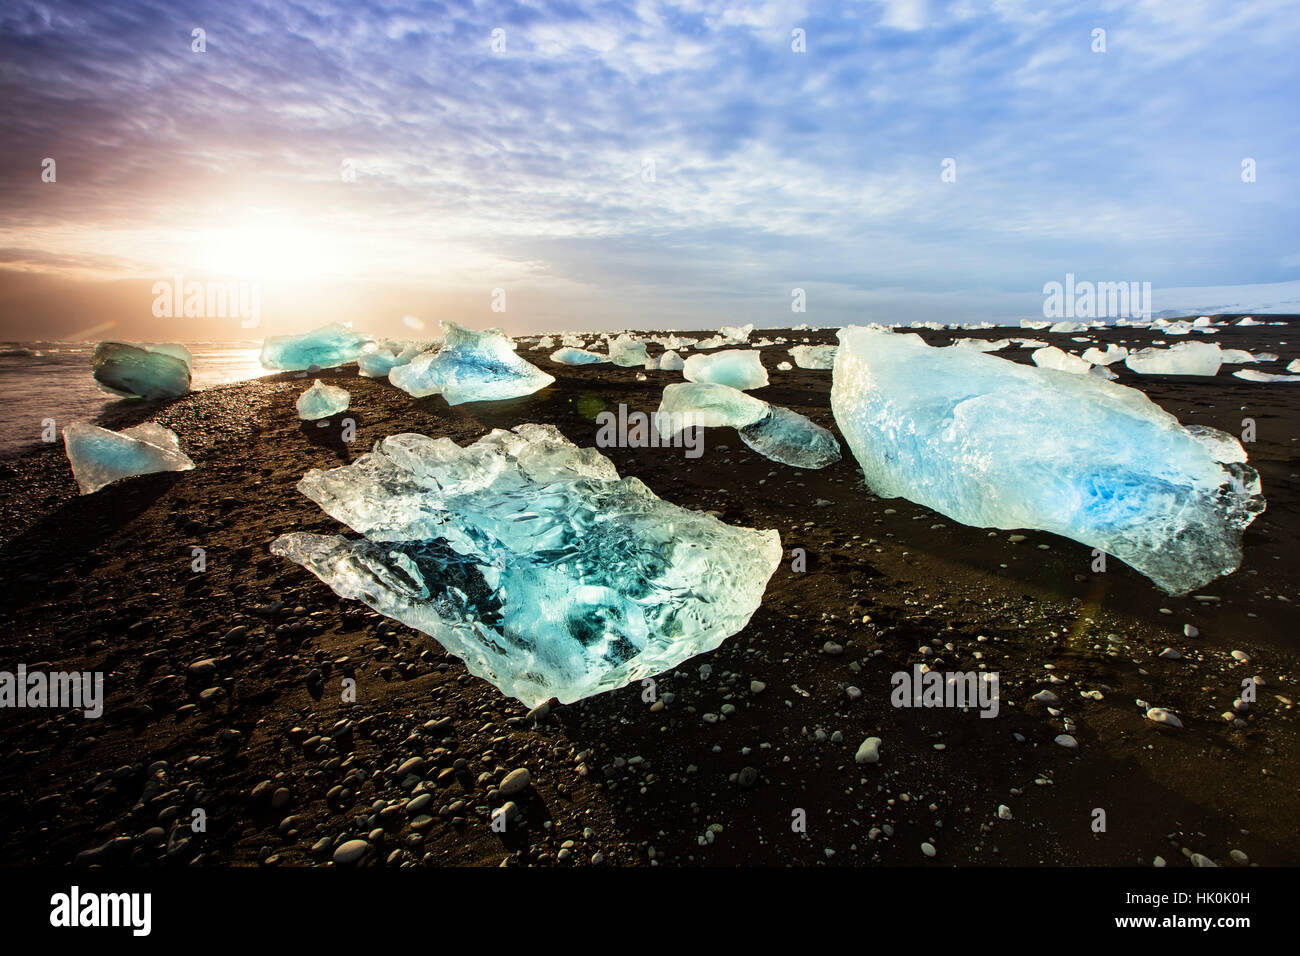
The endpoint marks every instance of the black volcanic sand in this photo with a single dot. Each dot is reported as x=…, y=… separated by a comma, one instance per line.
x=285, y=772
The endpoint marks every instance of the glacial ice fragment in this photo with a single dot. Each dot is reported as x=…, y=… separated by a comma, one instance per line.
x=100, y=457
x=572, y=356
x=532, y=560
x=1114, y=353
x=627, y=352
x=326, y=347
x=993, y=443
x=322, y=401
x=1253, y=375
x=1062, y=361
x=1186, y=358
x=792, y=439
x=471, y=366
x=738, y=368
x=705, y=405
x=814, y=356
x=142, y=371
x=670, y=361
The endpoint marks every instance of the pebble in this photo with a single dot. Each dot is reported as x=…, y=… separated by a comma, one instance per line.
x=1068, y=742
x=516, y=781
x=1161, y=716
x=351, y=852
x=928, y=849
x=869, y=751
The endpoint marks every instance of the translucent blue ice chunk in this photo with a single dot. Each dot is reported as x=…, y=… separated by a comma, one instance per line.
x=738, y=368
x=993, y=443
x=627, y=352
x=326, y=347
x=142, y=371
x=792, y=439
x=100, y=457
x=471, y=366
x=532, y=560
x=322, y=401
x=814, y=356
x=572, y=356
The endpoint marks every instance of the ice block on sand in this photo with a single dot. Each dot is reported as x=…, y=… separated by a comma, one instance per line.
x=326, y=347
x=471, y=366
x=142, y=371
x=100, y=457
x=322, y=401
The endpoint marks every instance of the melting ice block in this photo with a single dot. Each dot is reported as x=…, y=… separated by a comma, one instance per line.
x=1187, y=358
x=471, y=366
x=792, y=439
x=1114, y=353
x=993, y=443
x=627, y=352
x=572, y=356
x=1062, y=361
x=1252, y=375
x=326, y=347
x=532, y=560
x=776, y=433
x=142, y=371
x=386, y=357
x=322, y=401
x=814, y=356
x=100, y=457
x=738, y=368
x=670, y=361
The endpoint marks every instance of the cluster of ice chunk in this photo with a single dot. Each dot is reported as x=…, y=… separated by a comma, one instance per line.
x=532, y=560
x=777, y=433
x=100, y=457
x=322, y=401
x=738, y=368
x=326, y=347
x=471, y=366
x=142, y=371
x=993, y=443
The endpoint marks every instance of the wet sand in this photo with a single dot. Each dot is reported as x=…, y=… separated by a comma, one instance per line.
x=285, y=771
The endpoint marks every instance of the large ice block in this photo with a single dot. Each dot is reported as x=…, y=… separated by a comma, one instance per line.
x=571, y=356
x=814, y=356
x=100, y=457
x=532, y=560
x=704, y=405
x=142, y=371
x=627, y=352
x=326, y=347
x=322, y=401
x=1186, y=358
x=471, y=366
x=993, y=443
x=737, y=368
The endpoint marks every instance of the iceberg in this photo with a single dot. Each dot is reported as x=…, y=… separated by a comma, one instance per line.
x=322, y=401
x=814, y=356
x=572, y=356
x=326, y=347
x=471, y=366
x=100, y=457
x=627, y=352
x=739, y=368
x=1188, y=358
x=993, y=443
x=142, y=371
x=532, y=560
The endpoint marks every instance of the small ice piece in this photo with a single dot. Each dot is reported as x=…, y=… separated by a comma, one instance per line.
x=142, y=371
x=705, y=405
x=1249, y=320
x=326, y=347
x=1054, y=358
x=627, y=352
x=737, y=334
x=100, y=457
x=1061, y=327
x=784, y=367
x=532, y=560
x=979, y=345
x=670, y=361
x=998, y=444
x=1114, y=353
x=1186, y=358
x=571, y=356
x=814, y=356
x=322, y=401
x=471, y=366
x=739, y=368
x=791, y=439
x=1253, y=375
x=386, y=357
x=1293, y=366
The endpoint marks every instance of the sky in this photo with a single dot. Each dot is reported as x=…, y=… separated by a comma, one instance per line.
x=542, y=166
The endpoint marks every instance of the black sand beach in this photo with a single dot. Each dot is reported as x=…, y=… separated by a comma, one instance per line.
x=257, y=738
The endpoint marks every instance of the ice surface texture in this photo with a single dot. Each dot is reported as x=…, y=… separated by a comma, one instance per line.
x=471, y=366
x=992, y=443
x=142, y=371
x=100, y=457
x=322, y=401
x=326, y=347
x=737, y=368
x=532, y=560
x=776, y=433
